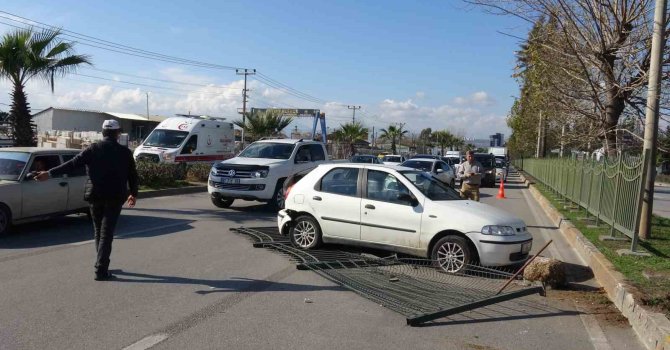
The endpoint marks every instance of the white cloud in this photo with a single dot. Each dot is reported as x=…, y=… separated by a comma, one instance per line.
x=480, y=98
x=420, y=95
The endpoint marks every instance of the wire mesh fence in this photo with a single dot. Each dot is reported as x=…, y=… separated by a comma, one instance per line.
x=416, y=288
x=609, y=190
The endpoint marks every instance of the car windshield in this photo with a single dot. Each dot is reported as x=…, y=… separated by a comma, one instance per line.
x=268, y=150
x=417, y=164
x=394, y=159
x=487, y=161
x=12, y=164
x=431, y=187
x=500, y=163
x=166, y=138
x=363, y=159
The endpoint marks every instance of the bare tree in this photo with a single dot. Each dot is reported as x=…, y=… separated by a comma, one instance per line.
x=601, y=46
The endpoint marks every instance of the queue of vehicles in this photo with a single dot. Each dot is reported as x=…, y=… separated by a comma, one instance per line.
x=411, y=208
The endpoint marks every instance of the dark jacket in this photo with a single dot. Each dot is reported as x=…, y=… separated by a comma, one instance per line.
x=111, y=170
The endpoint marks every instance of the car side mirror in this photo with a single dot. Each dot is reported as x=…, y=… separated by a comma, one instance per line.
x=406, y=197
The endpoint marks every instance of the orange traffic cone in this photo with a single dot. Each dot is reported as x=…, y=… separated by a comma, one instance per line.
x=501, y=190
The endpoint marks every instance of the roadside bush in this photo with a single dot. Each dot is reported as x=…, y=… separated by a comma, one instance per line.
x=160, y=174
x=198, y=172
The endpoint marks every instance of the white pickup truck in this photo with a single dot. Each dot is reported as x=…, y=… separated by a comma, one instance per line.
x=258, y=172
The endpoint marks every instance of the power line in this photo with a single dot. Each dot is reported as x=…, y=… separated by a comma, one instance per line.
x=144, y=85
x=160, y=80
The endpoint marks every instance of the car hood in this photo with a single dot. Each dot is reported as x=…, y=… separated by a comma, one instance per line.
x=475, y=214
x=253, y=161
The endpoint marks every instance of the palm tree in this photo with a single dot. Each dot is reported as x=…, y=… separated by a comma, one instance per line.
x=394, y=134
x=350, y=133
x=443, y=139
x=26, y=54
x=262, y=124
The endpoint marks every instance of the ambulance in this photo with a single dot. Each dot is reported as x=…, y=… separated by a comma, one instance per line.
x=188, y=140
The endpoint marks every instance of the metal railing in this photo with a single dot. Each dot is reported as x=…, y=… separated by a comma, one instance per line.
x=611, y=189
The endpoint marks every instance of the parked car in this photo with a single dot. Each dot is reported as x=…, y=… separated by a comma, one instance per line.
x=24, y=200
x=366, y=159
x=489, y=172
x=437, y=168
x=393, y=159
x=426, y=156
x=501, y=169
x=403, y=210
x=258, y=172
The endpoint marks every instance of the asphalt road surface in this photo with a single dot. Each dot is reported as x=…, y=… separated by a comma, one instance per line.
x=662, y=201
x=186, y=282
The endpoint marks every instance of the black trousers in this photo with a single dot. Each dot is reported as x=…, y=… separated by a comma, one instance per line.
x=105, y=214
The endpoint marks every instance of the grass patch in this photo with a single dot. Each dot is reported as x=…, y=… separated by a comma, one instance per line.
x=176, y=184
x=653, y=290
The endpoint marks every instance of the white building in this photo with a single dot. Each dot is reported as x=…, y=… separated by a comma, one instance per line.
x=66, y=119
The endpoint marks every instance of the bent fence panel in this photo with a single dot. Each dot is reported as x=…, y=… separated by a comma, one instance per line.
x=609, y=190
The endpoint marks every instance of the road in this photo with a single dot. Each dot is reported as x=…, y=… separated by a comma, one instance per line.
x=662, y=201
x=186, y=282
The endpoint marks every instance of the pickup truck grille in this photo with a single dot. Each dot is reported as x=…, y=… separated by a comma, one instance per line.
x=237, y=170
x=244, y=174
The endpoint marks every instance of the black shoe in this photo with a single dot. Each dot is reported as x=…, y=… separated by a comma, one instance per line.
x=105, y=276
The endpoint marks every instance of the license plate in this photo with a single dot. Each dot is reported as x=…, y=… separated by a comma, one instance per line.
x=230, y=181
x=525, y=248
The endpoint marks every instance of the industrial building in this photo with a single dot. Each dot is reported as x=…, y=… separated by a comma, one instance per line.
x=136, y=126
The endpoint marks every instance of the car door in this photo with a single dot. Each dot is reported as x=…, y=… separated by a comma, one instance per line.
x=336, y=203
x=386, y=219
x=76, y=186
x=448, y=172
x=45, y=197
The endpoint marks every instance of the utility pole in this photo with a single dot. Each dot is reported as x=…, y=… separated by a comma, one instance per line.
x=373, y=136
x=651, y=118
x=147, y=105
x=245, y=72
x=353, y=119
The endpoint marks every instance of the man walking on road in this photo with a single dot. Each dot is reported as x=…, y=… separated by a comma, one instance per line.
x=112, y=181
x=470, y=173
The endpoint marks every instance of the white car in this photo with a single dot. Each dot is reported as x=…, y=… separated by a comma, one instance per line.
x=23, y=199
x=393, y=159
x=403, y=210
x=437, y=168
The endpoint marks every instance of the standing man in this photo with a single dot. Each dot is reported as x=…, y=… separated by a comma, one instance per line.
x=470, y=173
x=112, y=181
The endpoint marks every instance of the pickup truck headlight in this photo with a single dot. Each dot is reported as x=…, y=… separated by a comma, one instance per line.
x=259, y=173
x=497, y=230
x=212, y=172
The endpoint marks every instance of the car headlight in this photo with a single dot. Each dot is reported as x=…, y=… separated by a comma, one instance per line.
x=212, y=172
x=498, y=230
x=260, y=173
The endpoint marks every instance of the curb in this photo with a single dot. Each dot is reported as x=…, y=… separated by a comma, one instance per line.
x=171, y=192
x=652, y=328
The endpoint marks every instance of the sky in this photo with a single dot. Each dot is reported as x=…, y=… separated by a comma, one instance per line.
x=441, y=64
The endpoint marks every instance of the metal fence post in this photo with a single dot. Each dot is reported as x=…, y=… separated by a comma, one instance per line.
x=617, y=188
x=600, y=190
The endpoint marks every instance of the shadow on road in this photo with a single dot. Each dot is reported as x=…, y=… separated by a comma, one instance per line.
x=235, y=284
x=73, y=229
x=236, y=215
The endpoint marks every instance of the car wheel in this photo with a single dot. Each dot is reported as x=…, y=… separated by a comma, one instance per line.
x=306, y=233
x=278, y=201
x=5, y=220
x=222, y=202
x=451, y=254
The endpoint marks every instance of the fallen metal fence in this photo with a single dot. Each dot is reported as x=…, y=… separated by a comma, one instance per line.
x=415, y=288
x=610, y=190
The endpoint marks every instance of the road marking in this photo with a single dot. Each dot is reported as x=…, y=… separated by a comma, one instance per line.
x=147, y=342
x=593, y=329
x=135, y=232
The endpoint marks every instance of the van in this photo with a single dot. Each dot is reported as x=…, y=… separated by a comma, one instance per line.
x=188, y=140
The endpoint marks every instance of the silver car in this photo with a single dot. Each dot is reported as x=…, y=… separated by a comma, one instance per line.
x=439, y=169
x=23, y=199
